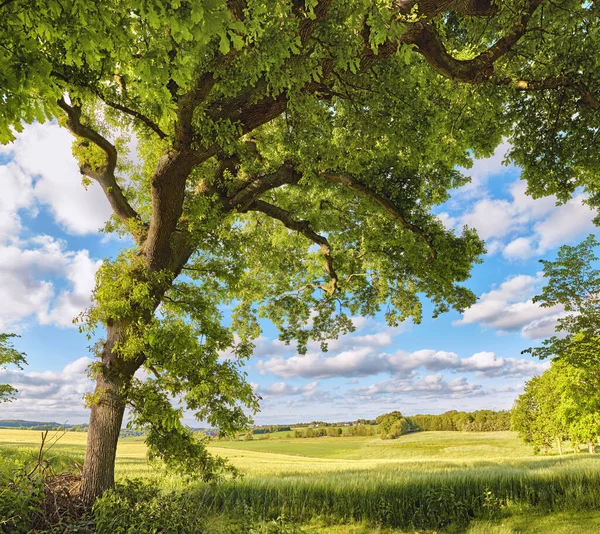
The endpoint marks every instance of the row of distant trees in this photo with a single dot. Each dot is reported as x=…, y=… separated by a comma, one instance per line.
x=393, y=425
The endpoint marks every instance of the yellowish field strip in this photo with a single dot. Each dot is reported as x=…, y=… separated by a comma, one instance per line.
x=426, y=452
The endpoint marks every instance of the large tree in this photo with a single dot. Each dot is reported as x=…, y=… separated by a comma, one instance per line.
x=290, y=153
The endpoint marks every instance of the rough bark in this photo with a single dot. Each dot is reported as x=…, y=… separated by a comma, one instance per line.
x=107, y=409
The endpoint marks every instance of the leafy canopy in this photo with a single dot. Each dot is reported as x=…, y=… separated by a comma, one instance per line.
x=573, y=284
x=290, y=156
x=561, y=404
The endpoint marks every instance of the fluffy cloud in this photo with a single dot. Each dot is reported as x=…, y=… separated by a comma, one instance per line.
x=29, y=271
x=520, y=248
x=482, y=170
x=43, y=169
x=522, y=227
x=564, y=224
x=17, y=194
x=39, y=277
x=49, y=396
x=81, y=273
x=366, y=361
x=283, y=389
x=510, y=307
x=430, y=386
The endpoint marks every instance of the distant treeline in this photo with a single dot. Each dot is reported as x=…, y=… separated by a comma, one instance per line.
x=477, y=421
x=393, y=425
x=37, y=425
x=269, y=429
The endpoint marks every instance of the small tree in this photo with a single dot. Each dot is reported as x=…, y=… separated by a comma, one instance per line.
x=573, y=282
x=9, y=356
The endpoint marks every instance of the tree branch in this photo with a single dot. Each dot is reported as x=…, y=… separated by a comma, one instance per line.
x=136, y=115
x=430, y=8
x=304, y=228
x=428, y=42
x=186, y=105
x=105, y=175
x=386, y=204
x=564, y=80
x=245, y=196
x=307, y=26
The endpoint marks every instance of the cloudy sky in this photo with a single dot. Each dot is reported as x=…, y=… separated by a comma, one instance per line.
x=50, y=248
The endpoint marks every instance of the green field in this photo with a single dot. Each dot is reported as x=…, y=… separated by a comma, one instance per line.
x=358, y=484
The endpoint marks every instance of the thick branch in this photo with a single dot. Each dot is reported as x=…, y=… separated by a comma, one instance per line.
x=386, y=204
x=428, y=42
x=186, y=105
x=168, y=193
x=105, y=176
x=307, y=26
x=244, y=197
x=430, y=8
x=304, y=228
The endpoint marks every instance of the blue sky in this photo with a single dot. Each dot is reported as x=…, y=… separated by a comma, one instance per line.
x=50, y=247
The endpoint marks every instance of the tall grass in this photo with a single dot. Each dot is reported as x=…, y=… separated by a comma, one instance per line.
x=422, y=481
x=426, y=501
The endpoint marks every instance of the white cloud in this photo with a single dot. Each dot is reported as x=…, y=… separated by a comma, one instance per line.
x=17, y=194
x=29, y=271
x=41, y=171
x=491, y=218
x=482, y=170
x=81, y=273
x=564, y=224
x=283, y=389
x=435, y=386
x=509, y=307
x=521, y=226
x=520, y=248
x=42, y=152
x=367, y=361
x=49, y=396
x=541, y=328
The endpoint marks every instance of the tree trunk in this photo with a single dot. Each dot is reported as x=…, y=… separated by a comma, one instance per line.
x=558, y=442
x=107, y=409
x=591, y=447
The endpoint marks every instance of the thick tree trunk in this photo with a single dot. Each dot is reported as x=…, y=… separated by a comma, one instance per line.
x=591, y=447
x=107, y=409
x=559, y=443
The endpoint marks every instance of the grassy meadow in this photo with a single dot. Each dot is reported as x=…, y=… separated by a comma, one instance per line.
x=442, y=481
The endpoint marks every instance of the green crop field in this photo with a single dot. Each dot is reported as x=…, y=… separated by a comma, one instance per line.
x=359, y=484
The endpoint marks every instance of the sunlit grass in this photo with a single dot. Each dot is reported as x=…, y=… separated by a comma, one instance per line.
x=361, y=481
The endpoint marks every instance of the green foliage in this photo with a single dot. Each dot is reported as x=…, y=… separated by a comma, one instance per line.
x=20, y=495
x=9, y=356
x=137, y=506
x=573, y=283
x=561, y=404
x=393, y=425
x=291, y=156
